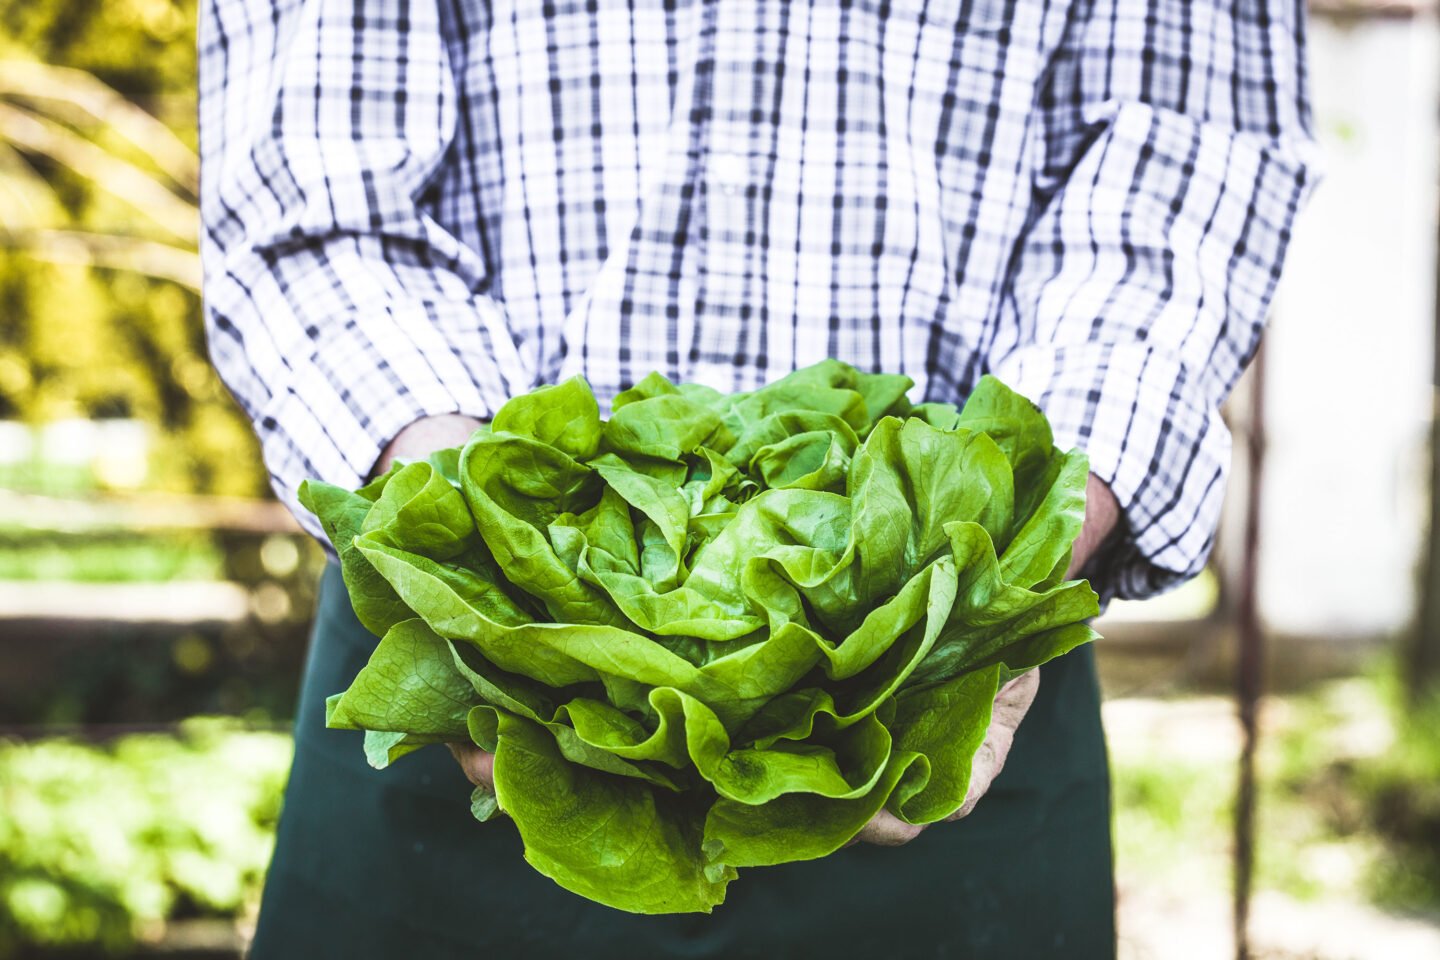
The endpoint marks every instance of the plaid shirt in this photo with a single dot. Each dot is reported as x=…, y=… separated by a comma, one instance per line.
x=415, y=207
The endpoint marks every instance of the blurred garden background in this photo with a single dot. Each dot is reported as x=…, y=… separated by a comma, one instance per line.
x=154, y=603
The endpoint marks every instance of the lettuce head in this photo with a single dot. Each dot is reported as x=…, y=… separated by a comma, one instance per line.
x=713, y=631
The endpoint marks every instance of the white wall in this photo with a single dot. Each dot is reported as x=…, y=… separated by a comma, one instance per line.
x=1350, y=350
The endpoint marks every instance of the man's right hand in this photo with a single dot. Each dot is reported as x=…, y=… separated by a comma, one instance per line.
x=424, y=436
x=478, y=765
x=415, y=442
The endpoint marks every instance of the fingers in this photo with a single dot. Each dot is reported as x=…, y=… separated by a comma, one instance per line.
x=887, y=830
x=983, y=770
x=424, y=436
x=1011, y=705
x=1015, y=698
x=478, y=765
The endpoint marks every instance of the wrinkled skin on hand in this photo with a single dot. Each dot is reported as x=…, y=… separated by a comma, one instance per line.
x=479, y=766
x=1011, y=705
x=417, y=441
x=1014, y=699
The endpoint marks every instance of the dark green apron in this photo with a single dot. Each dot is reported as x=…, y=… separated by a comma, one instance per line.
x=390, y=864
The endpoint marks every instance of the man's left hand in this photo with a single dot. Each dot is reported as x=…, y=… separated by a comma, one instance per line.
x=1102, y=512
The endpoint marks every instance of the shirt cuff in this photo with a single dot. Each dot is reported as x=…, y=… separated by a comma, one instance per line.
x=1152, y=436
x=340, y=409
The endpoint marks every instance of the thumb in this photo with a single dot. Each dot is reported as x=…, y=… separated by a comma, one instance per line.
x=1011, y=705
x=478, y=765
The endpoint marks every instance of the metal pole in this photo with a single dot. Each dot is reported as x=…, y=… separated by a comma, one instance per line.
x=1250, y=664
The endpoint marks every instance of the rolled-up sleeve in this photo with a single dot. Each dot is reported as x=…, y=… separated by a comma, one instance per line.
x=337, y=310
x=1177, y=154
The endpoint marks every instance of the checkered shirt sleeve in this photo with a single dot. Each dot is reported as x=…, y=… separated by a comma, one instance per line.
x=1177, y=154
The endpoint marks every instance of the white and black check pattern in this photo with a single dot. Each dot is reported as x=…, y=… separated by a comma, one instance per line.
x=426, y=206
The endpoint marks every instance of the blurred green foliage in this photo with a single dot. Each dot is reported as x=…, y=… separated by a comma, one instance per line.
x=1403, y=791
x=137, y=558
x=143, y=48
x=1349, y=806
x=97, y=208
x=1389, y=792
x=103, y=844
x=1172, y=819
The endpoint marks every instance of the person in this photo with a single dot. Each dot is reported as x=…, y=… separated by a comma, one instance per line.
x=415, y=209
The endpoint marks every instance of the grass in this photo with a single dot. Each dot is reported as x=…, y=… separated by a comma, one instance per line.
x=1349, y=805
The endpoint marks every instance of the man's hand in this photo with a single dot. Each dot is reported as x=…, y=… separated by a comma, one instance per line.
x=415, y=442
x=1102, y=513
x=424, y=437
x=1014, y=699
x=478, y=765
